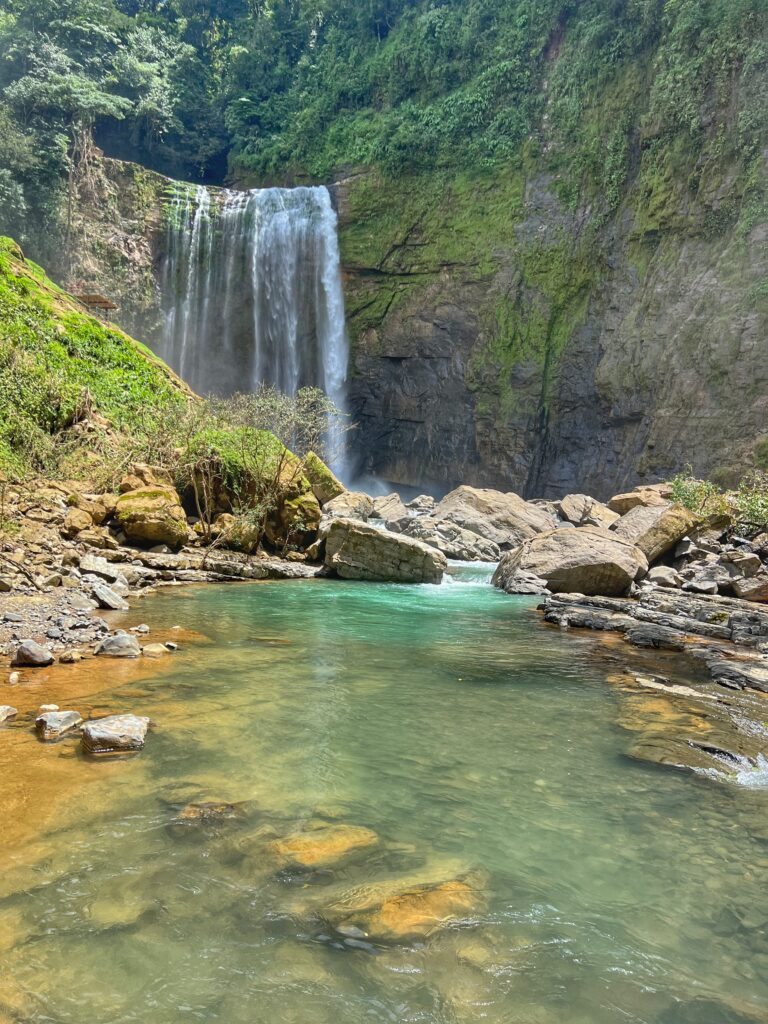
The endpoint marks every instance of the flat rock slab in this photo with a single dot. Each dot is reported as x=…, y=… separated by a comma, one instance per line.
x=52, y=725
x=7, y=712
x=116, y=734
x=107, y=598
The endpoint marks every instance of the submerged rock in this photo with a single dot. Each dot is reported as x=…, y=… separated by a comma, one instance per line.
x=209, y=812
x=52, y=725
x=322, y=846
x=31, y=654
x=116, y=734
x=587, y=560
x=410, y=913
x=355, y=551
x=7, y=712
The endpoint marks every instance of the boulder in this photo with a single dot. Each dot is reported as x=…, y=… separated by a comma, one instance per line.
x=452, y=540
x=324, y=484
x=355, y=551
x=32, y=654
x=655, y=494
x=52, y=725
x=116, y=734
x=152, y=515
x=753, y=588
x=98, y=566
x=655, y=529
x=587, y=560
x=321, y=847
x=665, y=576
x=581, y=510
x=76, y=519
x=301, y=515
x=350, y=505
x=505, y=519
x=119, y=645
x=388, y=507
x=421, y=503
x=7, y=712
x=141, y=475
x=105, y=597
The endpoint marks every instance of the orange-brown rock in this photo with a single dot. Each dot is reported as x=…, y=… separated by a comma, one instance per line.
x=323, y=846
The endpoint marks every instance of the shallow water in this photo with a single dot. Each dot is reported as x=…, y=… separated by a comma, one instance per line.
x=448, y=720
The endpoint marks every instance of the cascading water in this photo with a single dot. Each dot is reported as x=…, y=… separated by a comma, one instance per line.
x=251, y=291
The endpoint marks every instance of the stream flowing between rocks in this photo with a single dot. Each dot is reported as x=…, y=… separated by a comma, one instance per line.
x=431, y=817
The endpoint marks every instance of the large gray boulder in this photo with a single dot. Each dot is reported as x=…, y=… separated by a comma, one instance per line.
x=504, y=518
x=655, y=529
x=587, y=560
x=31, y=654
x=452, y=540
x=119, y=645
x=356, y=551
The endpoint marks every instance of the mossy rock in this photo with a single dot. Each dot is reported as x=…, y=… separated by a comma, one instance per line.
x=325, y=486
x=297, y=520
x=152, y=515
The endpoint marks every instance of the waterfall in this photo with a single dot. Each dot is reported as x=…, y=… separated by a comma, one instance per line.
x=251, y=291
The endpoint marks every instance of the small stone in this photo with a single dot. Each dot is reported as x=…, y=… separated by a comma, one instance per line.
x=47, y=707
x=71, y=657
x=171, y=646
x=116, y=734
x=155, y=650
x=32, y=654
x=7, y=712
x=54, y=724
x=143, y=628
x=54, y=580
x=119, y=645
x=14, y=678
x=13, y=617
x=5, y=586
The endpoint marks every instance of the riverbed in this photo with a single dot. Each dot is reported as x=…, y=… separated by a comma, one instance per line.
x=472, y=741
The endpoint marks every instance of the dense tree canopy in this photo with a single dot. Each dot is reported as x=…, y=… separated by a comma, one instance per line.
x=274, y=89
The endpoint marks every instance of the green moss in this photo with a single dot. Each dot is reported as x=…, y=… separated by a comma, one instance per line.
x=56, y=362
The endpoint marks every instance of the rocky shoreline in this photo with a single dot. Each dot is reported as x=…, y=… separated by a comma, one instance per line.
x=639, y=566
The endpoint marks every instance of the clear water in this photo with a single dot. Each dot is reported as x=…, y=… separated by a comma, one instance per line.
x=460, y=730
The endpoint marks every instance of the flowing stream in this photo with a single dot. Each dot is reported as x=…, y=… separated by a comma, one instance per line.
x=251, y=291
x=466, y=735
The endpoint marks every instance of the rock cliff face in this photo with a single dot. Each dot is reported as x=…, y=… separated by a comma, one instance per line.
x=501, y=340
x=504, y=337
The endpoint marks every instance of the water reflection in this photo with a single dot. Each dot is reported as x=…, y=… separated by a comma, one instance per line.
x=472, y=743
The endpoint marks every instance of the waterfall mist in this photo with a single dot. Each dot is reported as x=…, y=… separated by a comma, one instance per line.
x=251, y=291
